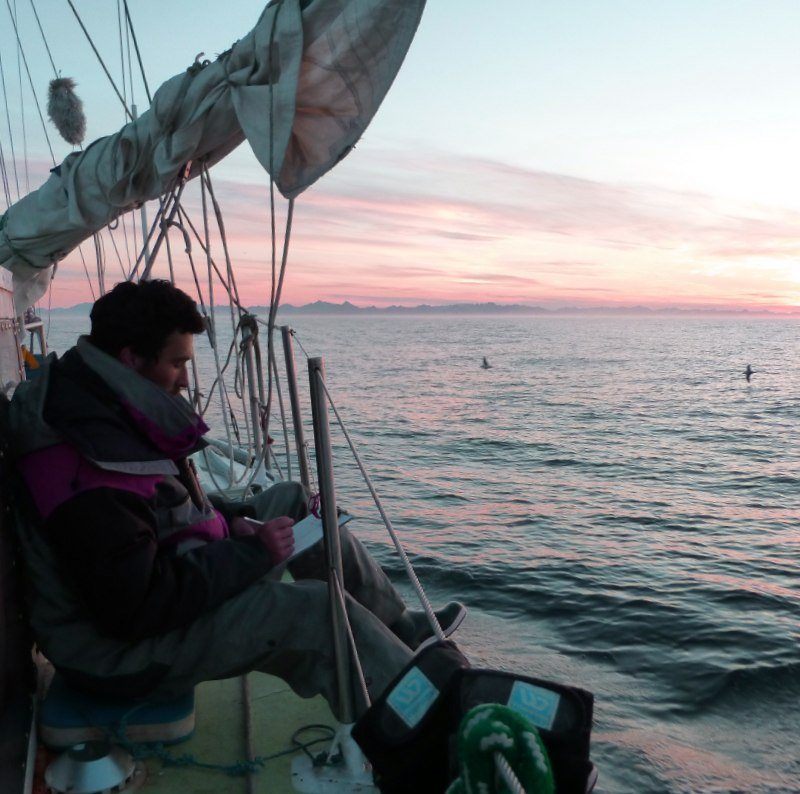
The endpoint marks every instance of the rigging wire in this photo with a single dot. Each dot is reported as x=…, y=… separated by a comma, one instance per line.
x=21, y=103
x=86, y=270
x=116, y=250
x=121, y=53
x=44, y=39
x=230, y=283
x=125, y=53
x=100, y=59
x=138, y=53
x=8, y=122
x=124, y=224
x=186, y=219
x=21, y=51
x=4, y=173
x=130, y=66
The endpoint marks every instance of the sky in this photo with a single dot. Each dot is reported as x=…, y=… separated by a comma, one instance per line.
x=556, y=153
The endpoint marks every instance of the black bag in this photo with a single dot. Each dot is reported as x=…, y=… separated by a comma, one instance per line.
x=406, y=733
x=409, y=733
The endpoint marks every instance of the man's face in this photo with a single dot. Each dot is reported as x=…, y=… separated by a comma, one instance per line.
x=169, y=370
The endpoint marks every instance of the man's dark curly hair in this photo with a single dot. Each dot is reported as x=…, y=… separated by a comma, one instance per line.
x=142, y=316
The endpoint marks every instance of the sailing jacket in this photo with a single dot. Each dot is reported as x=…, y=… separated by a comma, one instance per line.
x=122, y=534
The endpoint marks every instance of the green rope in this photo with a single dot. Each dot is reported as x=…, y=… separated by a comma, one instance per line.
x=490, y=729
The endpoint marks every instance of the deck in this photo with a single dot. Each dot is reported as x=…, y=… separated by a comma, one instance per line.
x=220, y=738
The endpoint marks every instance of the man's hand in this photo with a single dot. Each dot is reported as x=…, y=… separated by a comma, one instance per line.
x=241, y=527
x=278, y=537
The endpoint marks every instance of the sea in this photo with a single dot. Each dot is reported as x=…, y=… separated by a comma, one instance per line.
x=616, y=505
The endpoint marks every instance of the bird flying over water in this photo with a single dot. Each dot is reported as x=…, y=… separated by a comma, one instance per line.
x=485, y=364
x=747, y=372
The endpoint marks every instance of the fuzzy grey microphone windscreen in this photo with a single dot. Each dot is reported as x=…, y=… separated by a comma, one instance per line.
x=66, y=110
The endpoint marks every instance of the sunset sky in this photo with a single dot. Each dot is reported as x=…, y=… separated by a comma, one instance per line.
x=559, y=153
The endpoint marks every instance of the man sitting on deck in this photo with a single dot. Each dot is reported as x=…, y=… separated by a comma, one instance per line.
x=144, y=587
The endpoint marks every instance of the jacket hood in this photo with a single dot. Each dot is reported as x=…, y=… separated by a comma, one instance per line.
x=114, y=416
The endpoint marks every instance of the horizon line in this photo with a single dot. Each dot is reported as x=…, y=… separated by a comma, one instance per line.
x=488, y=306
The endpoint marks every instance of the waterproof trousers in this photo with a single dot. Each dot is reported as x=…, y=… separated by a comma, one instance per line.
x=283, y=628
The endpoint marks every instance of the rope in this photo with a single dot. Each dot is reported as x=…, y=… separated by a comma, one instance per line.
x=283, y=420
x=274, y=460
x=362, y=681
x=231, y=287
x=507, y=773
x=212, y=320
x=260, y=461
x=249, y=342
x=21, y=51
x=273, y=309
x=207, y=189
x=100, y=59
x=423, y=599
x=101, y=267
x=173, y=202
x=186, y=219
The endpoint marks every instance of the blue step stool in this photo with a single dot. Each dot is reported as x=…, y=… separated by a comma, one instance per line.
x=68, y=716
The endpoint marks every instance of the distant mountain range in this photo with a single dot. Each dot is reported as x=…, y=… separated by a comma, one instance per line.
x=347, y=308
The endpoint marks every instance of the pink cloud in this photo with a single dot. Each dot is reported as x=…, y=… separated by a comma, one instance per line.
x=440, y=227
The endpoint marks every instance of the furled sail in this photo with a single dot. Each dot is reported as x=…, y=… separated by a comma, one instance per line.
x=301, y=87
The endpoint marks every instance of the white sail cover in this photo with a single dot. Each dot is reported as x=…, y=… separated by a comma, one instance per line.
x=301, y=87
